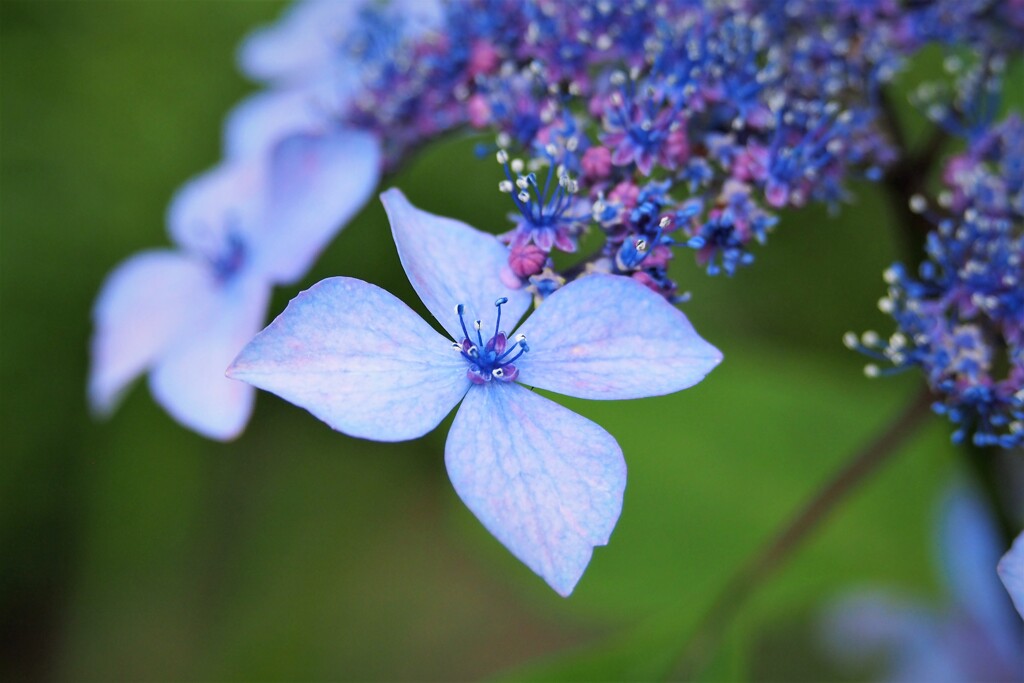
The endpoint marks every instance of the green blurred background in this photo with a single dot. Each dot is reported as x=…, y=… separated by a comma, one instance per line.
x=135, y=550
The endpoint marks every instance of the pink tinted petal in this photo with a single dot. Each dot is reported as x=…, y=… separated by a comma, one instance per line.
x=449, y=263
x=226, y=198
x=609, y=337
x=545, y=481
x=969, y=547
x=259, y=122
x=316, y=184
x=358, y=359
x=188, y=380
x=1011, y=571
x=145, y=303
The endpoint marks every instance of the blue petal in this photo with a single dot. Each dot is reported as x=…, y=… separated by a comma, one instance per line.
x=909, y=637
x=144, y=304
x=449, y=263
x=188, y=379
x=316, y=184
x=1011, y=571
x=305, y=40
x=223, y=203
x=358, y=359
x=546, y=482
x=969, y=546
x=259, y=122
x=609, y=337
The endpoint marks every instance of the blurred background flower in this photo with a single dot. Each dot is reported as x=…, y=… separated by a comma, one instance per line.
x=972, y=634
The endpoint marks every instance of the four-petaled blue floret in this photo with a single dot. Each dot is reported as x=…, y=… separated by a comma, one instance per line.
x=545, y=481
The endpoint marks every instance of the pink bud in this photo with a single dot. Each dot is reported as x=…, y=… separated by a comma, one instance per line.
x=597, y=162
x=479, y=111
x=527, y=260
x=626, y=193
x=483, y=58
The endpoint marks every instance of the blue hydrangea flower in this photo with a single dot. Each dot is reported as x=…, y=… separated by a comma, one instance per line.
x=974, y=637
x=310, y=76
x=183, y=314
x=1011, y=571
x=313, y=59
x=545, y=481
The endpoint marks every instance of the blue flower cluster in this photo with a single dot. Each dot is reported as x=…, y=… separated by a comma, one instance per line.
x=961, y=316
x=725, y=113
x=666, y=124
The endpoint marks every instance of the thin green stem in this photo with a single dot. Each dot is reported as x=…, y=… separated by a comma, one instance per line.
x=709, y=632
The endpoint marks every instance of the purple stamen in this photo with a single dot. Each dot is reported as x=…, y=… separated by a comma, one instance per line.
x=494, y=359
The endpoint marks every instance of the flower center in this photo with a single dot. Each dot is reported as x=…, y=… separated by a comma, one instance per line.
x=493, y=359
x=229, y=258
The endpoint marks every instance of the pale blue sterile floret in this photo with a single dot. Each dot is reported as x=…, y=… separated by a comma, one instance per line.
x=311, y=78
x=545, y=481
x=311, y=61
x=182, y=314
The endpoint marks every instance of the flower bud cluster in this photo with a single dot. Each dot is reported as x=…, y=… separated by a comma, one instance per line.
x=961, y=317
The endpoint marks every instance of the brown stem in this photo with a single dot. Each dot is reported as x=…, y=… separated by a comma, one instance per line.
x=907, y=177
x=762, y=565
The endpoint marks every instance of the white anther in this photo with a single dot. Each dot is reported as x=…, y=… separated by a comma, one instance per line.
x=641, y=245
x=871, y=370
x=524, y=196
x=502, y=157
x=504, y=140
x=850, y=340
x=505, y=186
x=522, y=183
x=890, y=276
x=498, y=372
x=457, y=346
x=517, y=165
x=520, y=338
x=869, y=338
x=664, y=222
x=478, y=325
x=885, y=305
x=918, y=204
